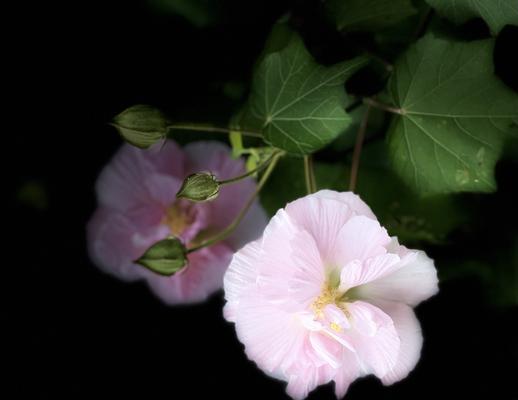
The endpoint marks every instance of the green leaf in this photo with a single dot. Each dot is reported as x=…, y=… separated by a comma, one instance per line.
x=455, y=115
x=200, y=13
x=199, y=187
x=296, y=103
x=141, y=125
x=368, y=15
x=405, y=214
x=165, y=257
x=496, y=13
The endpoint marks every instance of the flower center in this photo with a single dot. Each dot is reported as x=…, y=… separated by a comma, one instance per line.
x=178, y=217
x=329, y=295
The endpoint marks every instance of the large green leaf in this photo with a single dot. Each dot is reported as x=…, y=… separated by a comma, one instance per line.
x=455, y=115
x=496, y=13
x=368, y=15
x=296, y=103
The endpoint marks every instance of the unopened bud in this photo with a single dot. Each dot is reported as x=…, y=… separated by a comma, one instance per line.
x=202, y=186
x=141, y=125
x=165, y=257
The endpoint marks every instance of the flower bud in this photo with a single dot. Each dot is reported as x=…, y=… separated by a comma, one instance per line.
x=199, y=187
x=141, y=125
x=165, y=257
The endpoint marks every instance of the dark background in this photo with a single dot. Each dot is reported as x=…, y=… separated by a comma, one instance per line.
x=81, y=333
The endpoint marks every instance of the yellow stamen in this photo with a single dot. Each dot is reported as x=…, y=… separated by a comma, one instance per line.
x=177, y=218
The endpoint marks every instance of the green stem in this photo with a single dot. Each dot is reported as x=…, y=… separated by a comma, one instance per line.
x=230, y=228
x=309, y=175
x=252, y=172
x=376, y=104
x=358, y=149
x=212, y=129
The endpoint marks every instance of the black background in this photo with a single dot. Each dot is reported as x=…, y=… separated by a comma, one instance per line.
x=81, y=333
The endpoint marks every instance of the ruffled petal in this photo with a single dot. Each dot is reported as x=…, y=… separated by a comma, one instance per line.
x=352, y=200
x=361, y=238
x=410, y=336
x=356, y=273
x=347, y=373
x=323, y=218
x=413, y=281
x=240, y=276
x=374, y=337
x=274, y=339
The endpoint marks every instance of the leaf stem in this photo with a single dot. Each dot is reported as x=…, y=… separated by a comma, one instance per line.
x=251, y=172
x=376, y=104
x=358, y=149
x=212, y=129
x=309, y=175
x=230, y=228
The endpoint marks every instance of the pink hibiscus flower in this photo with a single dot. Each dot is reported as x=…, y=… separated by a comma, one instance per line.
x=136, y=192
x=326, y=295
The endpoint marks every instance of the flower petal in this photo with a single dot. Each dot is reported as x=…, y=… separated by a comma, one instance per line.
x=116, y=240
x=356, y=273
x=347, y=373
x=322, y=218
x=374, y=338
x=413, y=281
x=240, y=276
x=410, y=336
x=352, y=200
x=120, y=183
x=273, y=339
x=360, y=238
x=202, y=277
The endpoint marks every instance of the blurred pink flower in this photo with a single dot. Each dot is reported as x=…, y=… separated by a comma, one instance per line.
x=137, y=207
x=326, y=295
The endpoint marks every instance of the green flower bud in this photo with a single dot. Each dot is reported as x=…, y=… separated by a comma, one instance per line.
x=165, y=257
x=141, y=125
x=199, y=187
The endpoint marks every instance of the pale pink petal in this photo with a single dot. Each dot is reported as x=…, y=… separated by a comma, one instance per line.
x=353, y=201
x=306, y=377
x=322, y=218
x=347, y=373
x=327, y=349
x=374, y=338
x=273, y=338
x=214, y=157
x=356, y=273
x=119, y=185
x=116, y=240
x=410, y=336
x=291, y=272
x=360, y=238
x=415, y=281
x=202, y=277
x=161, y=189
x=240, y=276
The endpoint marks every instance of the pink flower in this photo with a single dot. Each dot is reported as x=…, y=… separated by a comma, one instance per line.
x=326, y=295
x=137, y=207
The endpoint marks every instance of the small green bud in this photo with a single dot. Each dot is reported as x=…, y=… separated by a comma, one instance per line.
x=165, y=257
x=141, y=125
x=199, y=187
